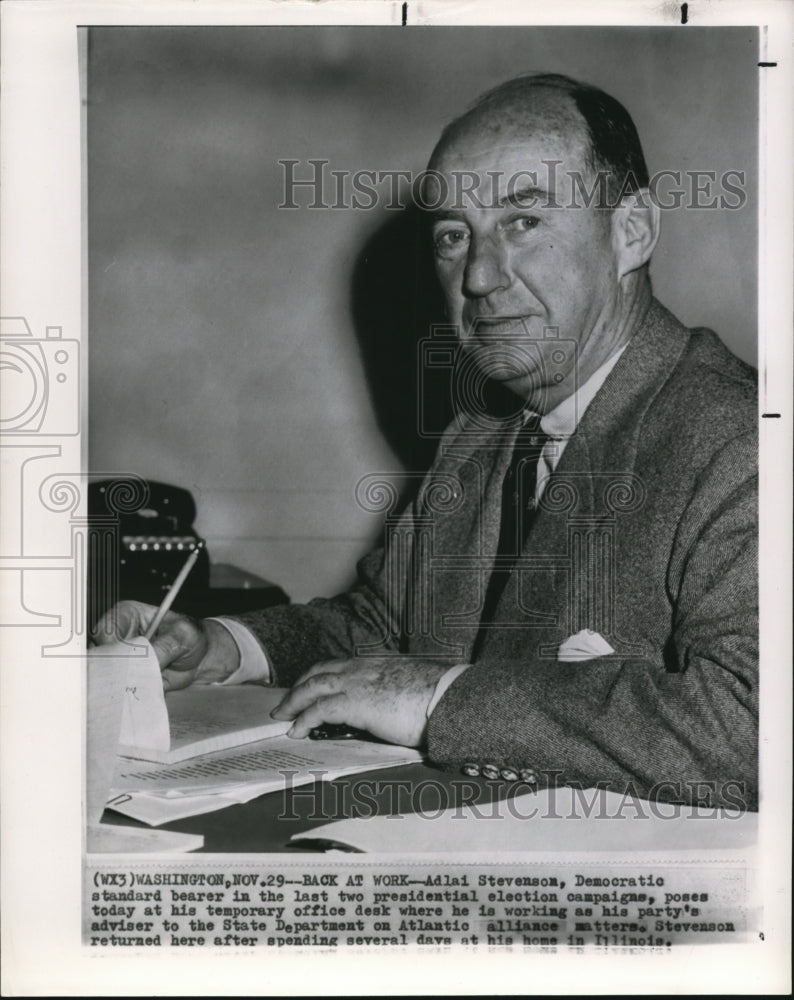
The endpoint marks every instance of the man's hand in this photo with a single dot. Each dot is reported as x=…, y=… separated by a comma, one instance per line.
x=187, y=649
x=387, y=696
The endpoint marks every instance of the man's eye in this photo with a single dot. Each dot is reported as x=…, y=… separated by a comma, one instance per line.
x=523, y=224
x=451, y=242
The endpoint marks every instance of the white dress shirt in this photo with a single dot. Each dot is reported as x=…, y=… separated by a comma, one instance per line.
x=558, y=424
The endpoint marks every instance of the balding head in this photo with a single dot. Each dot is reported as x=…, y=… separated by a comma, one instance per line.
x=586, y=118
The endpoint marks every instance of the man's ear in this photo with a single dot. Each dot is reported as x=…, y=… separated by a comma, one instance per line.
x=635, y=231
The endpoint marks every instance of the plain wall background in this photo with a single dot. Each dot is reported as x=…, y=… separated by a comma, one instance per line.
x=223, y=352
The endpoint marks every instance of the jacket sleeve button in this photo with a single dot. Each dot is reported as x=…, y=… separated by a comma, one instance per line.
x=490, y=771
x=528, y=774
x=471, y=769
x=509, y=774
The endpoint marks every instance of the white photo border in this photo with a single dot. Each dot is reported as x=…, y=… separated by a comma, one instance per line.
x=43, y=277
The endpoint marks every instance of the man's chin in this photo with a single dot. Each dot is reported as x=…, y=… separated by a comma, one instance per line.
x=511, y=391
x=504, y=357
x=522, y=385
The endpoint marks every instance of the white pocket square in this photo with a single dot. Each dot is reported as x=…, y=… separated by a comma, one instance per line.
x=585, y=645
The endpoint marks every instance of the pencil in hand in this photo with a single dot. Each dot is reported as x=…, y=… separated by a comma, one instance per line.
x=173, y=591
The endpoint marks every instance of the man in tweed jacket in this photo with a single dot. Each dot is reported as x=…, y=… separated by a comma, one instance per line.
x=621, y=644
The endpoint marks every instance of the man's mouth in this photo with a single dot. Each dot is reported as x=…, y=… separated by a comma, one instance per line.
x=493, y=327
x=502, y=346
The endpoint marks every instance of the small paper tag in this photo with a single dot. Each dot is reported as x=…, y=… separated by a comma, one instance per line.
x=125, y=703
x=144, y=718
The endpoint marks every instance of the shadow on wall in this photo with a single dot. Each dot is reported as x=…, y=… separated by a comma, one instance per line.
x=396, y=300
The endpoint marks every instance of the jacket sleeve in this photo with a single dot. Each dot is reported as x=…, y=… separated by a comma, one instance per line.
x=295, y=636
x=683, y=727
x=368, y=617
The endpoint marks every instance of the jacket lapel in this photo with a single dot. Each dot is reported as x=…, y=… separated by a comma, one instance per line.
x=464, y=539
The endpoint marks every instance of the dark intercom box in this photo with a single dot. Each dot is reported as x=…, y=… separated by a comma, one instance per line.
x=137, y=554
x=152, y=544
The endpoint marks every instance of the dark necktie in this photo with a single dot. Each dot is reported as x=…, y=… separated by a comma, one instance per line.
x=518, y=509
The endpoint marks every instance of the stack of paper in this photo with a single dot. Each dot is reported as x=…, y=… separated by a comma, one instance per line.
x=157, y=793
x=202, y=748
x=195, y=720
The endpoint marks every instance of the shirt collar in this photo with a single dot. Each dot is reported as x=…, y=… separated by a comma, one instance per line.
x=562, y=421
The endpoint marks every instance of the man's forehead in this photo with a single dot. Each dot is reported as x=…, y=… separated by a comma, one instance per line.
x=505, y=150
x=541, y=124
x=525, y=169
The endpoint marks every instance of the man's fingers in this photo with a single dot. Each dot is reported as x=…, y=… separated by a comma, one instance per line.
x=326, y=667
x=167, y=648
x=326, y=708
x=125, y=620
x=180, y=644
x=173, y=680
x=305, y=693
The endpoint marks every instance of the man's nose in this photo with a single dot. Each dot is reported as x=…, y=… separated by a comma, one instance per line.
x=485, y=268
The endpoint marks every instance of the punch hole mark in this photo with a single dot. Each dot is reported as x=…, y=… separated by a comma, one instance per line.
x=763, y=415
x=405, y=14
x=684, y=13
x=767, y=64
